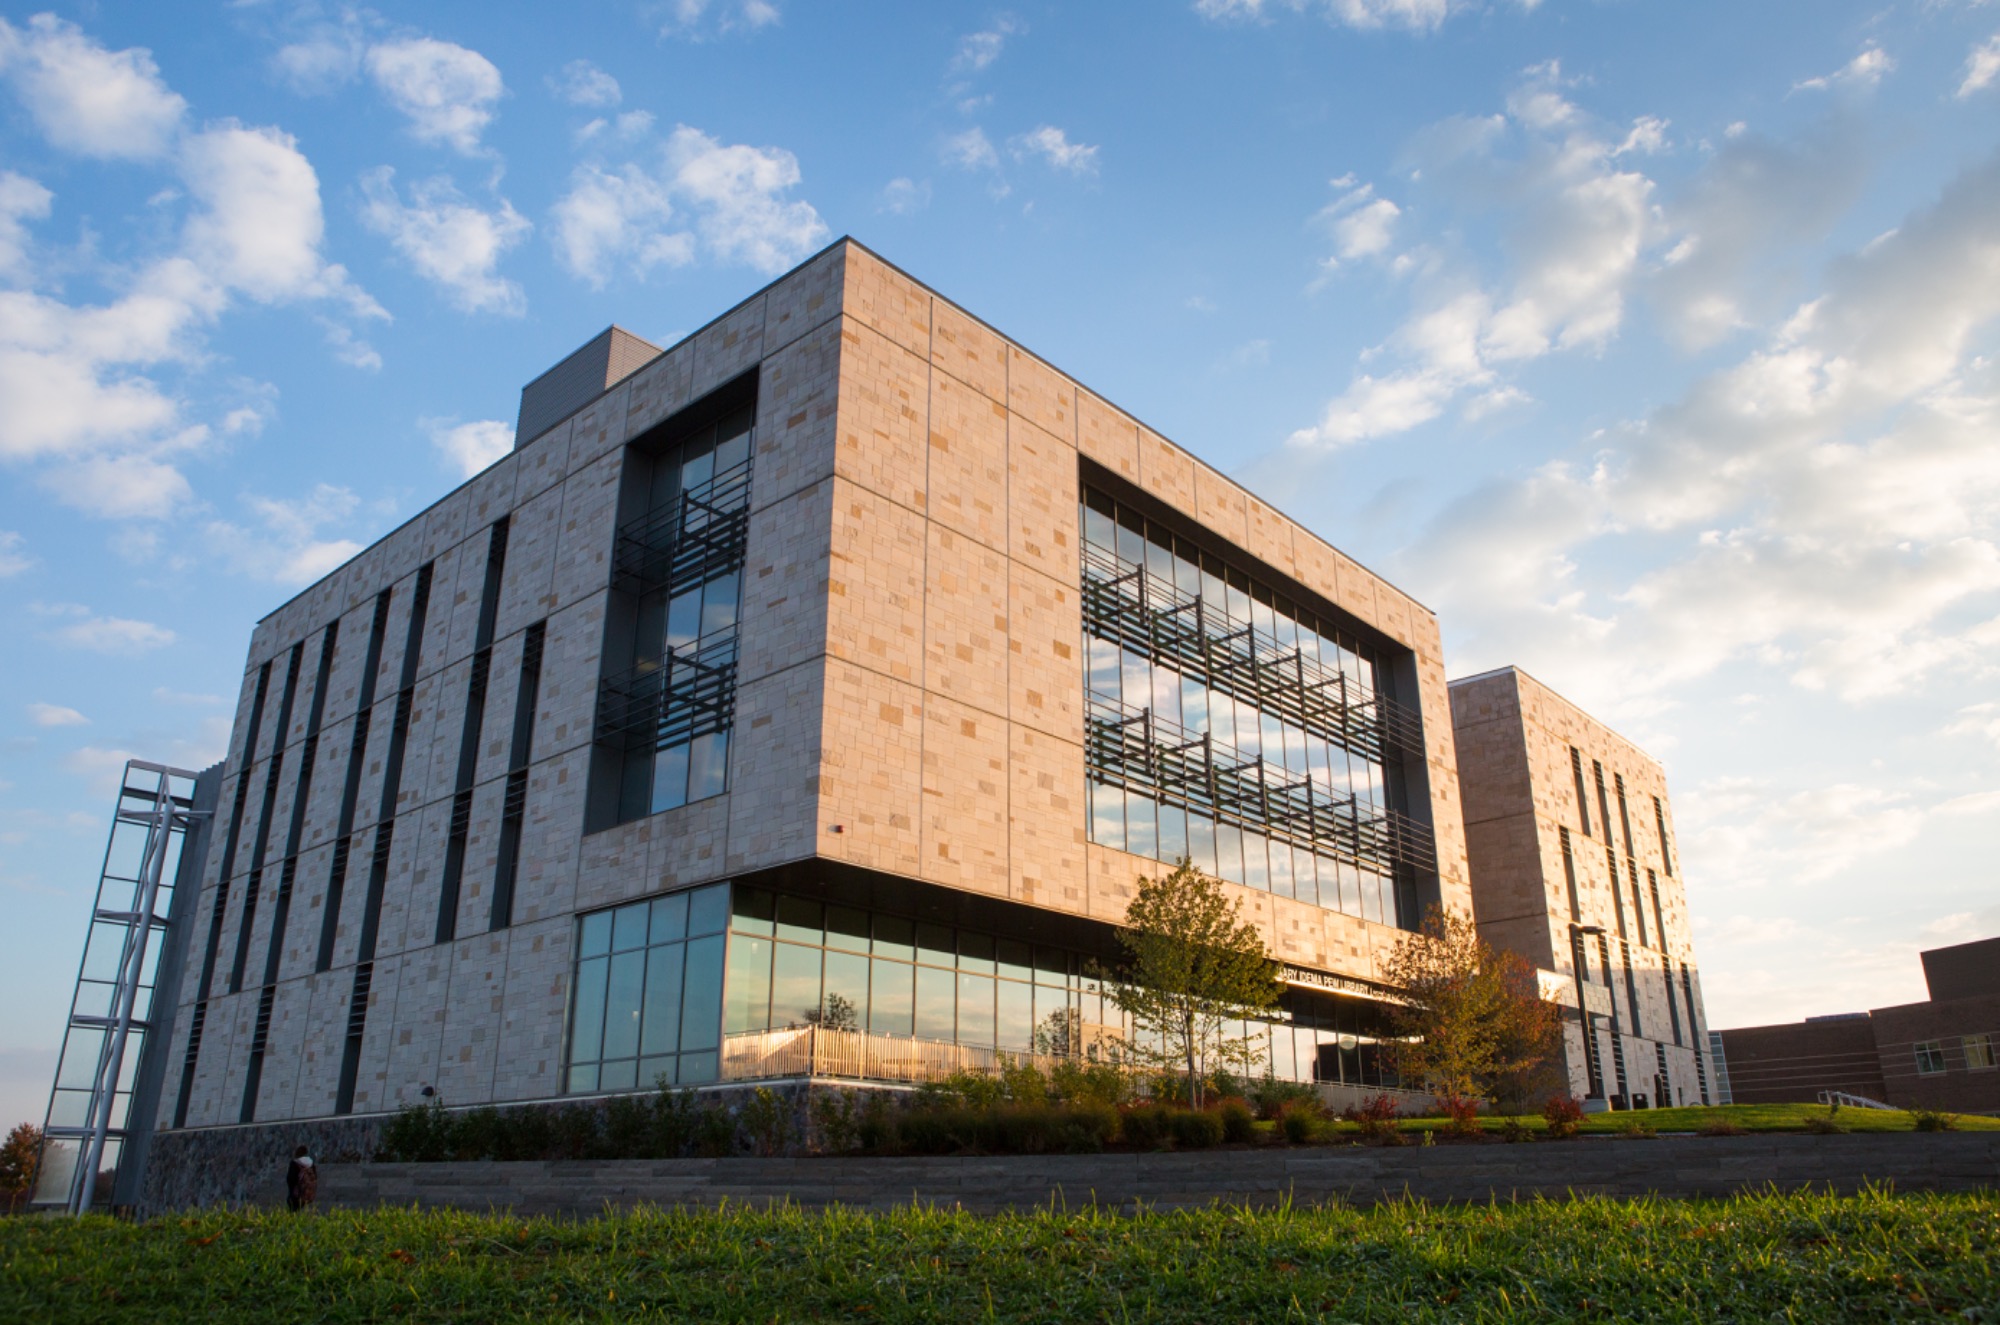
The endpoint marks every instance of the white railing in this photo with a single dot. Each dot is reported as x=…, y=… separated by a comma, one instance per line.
x=820, y=1051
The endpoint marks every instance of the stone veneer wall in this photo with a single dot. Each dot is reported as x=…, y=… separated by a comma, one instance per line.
x=1667, y=1167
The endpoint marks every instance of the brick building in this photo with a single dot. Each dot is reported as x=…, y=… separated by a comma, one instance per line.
x=1569, y=836
x=1937, y=1054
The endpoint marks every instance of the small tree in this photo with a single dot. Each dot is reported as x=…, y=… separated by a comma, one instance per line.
x=20, y=1158
x=1191, y=967
x=1474, y=1020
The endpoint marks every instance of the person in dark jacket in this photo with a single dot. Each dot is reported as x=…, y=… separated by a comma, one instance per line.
x=301, y=1181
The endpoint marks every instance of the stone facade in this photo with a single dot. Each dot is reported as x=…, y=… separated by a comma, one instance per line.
x=908, y=702
x=1569, y=834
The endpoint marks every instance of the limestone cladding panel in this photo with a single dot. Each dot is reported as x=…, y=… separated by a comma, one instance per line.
x=430, y=725
x=1167, y=472
x=658, y=389
x=964, y=821
x=589, y=526
x=1222, y=506
x=692, y=846
x=343, y=685
x=969, y=351
x=882, y=416
x=323, y=1037
x=482, y=856
x=805, y=300
x=774, y=763
x=1041, y=500
x=474, y=1002
x=1044, y=673
x=1041, y=395
x=798, y=394
x=453, y=688
x=1298, y=934
x=1356, y=587
x=417, y=1026
x=875, y=583
x=241, y=1012
x=728, y=346
x=552, y=840
x=968, y=462
x=871, y=768
x=1272, y=538
x=1046, y=837
x=496, y=726
x=1112, y=878
x=284, y=1051
x=528, y=583
x=965, y=621
x=882, y=298
x=567, y=697
x=786, y=581
x=600, y=428
x=441, y=527
x=541, y=463
x=612, y=865
x=409, y=894
x=536, y=999
x=301, y=950
x=211, y=1079
x=1107, y=436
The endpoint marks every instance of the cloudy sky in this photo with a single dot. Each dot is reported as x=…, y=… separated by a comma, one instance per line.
x=1651, y=344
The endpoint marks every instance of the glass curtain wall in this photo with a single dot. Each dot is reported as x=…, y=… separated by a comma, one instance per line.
x=647, y=997
x=1232, y=727
x=683, y=561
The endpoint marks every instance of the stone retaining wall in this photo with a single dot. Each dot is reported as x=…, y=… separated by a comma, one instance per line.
x=1668, y=1166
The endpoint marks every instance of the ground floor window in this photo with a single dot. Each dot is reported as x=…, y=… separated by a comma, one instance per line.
x=659, y=985
x=1930, y=1057
x=1978, y=1052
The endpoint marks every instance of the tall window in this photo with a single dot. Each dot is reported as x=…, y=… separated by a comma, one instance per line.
x=679, y=567
x=649, y=992
x=1231, y=726
x=1582, y=797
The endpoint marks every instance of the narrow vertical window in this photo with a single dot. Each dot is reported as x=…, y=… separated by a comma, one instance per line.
x=357, y=759
x=514, y=808
x=1582, y=797
x=1659, y=915
x=1660, y=821
x=1604, y=810
x=262, y=842
x=468, y=741
x=1638, y=902
x=1569, y=876
x=1624, y=817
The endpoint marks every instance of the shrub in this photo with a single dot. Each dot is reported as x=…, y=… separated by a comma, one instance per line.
x=1514, y=1131
x=1272, y=1097
x=419, y=1133
x=1933, y=1120
x=479, y=1134
x=767, y=1117
x=714, y=1131
x=1022, y=1129
x=1637, y=1131
x=628, y=1126
x=1300, y=1123
x=1196, y=1129
x=1075, y=1081
x=575, y=1127
x=1239, y=1125
x=836, y=1121
x=1146, y=1126
x=525, y=1134
x=877, y=1130
x=1564, y=1115
x=1023, y=1083
x=1084, y=1129
x=1461, y=1115
x=1824, y=1124
x=1376, y=1118
x=1721, y=1127
x=676, y=1119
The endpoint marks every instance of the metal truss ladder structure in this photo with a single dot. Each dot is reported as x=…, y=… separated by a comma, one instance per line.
x=92, y=1114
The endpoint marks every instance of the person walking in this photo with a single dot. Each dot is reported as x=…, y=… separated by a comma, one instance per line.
x=301, y=1181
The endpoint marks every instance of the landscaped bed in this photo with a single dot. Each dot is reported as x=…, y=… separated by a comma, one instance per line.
x=1874, y=1256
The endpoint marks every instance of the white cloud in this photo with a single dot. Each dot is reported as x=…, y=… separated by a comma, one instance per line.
x=904, y=196
x=971, y=150
x=693, y=196
x=55, y=715
x=1982, y=66
x=102, y=634
x=1054, y=146
x=448, y=239
x=1576, y=225
x=471, y=447
x=259, y=226
x=1978, y=720
x=1417, y=15
x=581, y=83
x=1864, y=72
x=447, y=92
x=12, y=560
x=21, y=199
x=976, y=50
x=85, y=98
x=284, y=542
x=323, y=62
x=700, y=19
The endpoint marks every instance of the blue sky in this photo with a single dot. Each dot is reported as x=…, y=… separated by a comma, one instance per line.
x=1650, y=344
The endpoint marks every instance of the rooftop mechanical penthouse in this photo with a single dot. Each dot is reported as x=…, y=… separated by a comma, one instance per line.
x=834, y=673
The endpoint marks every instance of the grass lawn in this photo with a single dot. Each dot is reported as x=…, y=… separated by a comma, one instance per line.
x=1770, y=1257
x=1749, y=1117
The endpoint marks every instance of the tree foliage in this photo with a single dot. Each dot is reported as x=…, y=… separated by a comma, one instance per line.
x=1192, y=968
x=20, y=1157
x=1474, y=1023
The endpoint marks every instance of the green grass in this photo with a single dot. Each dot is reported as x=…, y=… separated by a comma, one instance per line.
x=1749, y=1117
x=1766, y=1257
